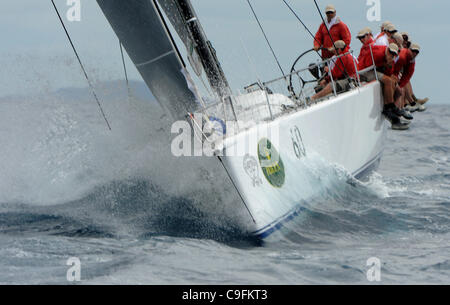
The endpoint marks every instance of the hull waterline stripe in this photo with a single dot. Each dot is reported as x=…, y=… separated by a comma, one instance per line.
x=278, y=224
x=367, y=165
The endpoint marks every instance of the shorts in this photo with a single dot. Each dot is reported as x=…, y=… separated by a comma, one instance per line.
x=342, y=85
x=369, y=76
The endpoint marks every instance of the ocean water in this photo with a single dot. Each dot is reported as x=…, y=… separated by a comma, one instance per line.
x=70, y=188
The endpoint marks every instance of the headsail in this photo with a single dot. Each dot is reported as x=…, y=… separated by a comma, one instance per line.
x=141, y=30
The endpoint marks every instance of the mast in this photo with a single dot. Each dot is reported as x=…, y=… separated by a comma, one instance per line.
x=201, y=44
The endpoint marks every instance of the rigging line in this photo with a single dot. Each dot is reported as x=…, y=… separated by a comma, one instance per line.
x=312, y=35
x=328, y=30
x=252, y=66
x=82, y=67
x=265, y=36
x=237, y=190
x=125, y=70
x=306, y=28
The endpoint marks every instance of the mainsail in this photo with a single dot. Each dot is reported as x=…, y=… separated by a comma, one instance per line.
x=141, y=28
x=142, y=31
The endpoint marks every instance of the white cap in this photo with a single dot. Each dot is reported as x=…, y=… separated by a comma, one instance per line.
x=393, y=48
x=398, y=38
x=364, y=32
x=415, y=47
x=385, y=24
x=390, y=28
x=330, y=8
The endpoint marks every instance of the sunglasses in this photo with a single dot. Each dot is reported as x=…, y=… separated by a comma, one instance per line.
x=329, y=13
x=393, y=53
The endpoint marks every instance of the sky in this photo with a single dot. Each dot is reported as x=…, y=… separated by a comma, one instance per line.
x=36, y=57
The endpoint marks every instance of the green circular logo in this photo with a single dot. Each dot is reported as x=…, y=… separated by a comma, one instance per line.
x=271, y=163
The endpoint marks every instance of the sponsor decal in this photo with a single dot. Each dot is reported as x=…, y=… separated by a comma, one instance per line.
x=251, y=168
x=271, y=163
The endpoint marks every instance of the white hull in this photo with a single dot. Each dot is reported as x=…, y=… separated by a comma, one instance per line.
x=348, y=130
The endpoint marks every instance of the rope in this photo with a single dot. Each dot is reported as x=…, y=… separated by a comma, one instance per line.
x=306, y=28
x=125, y=71
x=82, y=67
x=237, y=190
x=265, y=36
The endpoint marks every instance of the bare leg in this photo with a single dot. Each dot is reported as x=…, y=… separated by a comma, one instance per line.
x=403, y=98
x=388, y=90
x=415, y=99
x=325, y=91
x=390, y=111
x=399, y=97
x=409, y=93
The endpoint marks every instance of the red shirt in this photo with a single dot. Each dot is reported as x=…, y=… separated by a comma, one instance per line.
x=379, y=56
x=338, y=31
x=365, y=49
x=338, y=72
x=406, y=63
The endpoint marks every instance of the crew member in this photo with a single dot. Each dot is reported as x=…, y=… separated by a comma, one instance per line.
x=383, y=26
x=397, y=38
x=384, y=60
x=406, y=42
x=366, y=38
x=406, y=64
x=416, y=103
x=403, y=71
x=389, y=31
x=338, y=31
x=344, y=68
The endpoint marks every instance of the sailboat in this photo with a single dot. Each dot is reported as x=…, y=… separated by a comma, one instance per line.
x=263, y=185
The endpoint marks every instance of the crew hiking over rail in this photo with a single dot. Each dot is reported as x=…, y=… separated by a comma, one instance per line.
x=391, y=53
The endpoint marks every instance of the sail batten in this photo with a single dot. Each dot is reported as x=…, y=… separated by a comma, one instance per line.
x=156, y=58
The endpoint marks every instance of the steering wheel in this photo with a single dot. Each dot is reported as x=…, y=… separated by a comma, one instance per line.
x=303, y=82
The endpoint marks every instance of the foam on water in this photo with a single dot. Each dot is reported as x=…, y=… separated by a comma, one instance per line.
x=57, y=148
x=69, y=187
